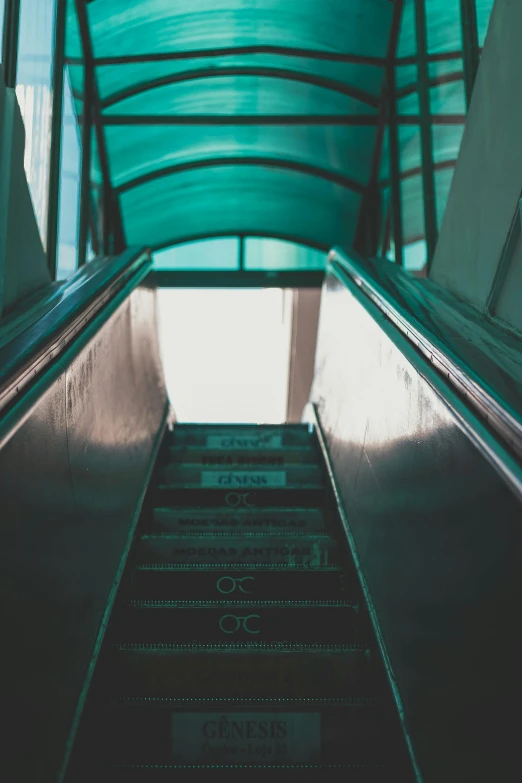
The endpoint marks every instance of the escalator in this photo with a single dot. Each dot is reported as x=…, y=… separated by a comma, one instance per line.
x=187, y=601
x=240, y=641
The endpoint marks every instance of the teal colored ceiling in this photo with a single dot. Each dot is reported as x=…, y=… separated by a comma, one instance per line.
x=253, y=117
x=260, y=117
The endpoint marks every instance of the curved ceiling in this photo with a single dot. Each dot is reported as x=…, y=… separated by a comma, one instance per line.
x=265, y=117
x=234, y=117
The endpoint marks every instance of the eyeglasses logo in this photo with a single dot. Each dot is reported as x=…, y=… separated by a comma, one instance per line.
x=229, y=584
x=235, y=499
x=232, y=623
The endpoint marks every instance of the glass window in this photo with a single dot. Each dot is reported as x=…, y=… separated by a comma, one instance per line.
x=414, y=256
x=484, y=8
x=211, y=254
x=91, y=253
x=273, y=254
x=2, y=13
x=70, y=169
x=34, y=92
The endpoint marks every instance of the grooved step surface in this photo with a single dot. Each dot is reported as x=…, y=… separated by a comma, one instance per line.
x=165, y=581
x=281, y=773
x=251, y=437
x=291, y=496
x=282, y=457
x=238, y=734
x=255, y=548
x=279, y=621
x=185, y=520
x=241, y=671
x=260, y=478
x=240, y=645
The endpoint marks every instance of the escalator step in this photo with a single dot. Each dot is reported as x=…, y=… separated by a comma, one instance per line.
x=290, y=496
x=184, y=520
x=211, y=477
x=340, y=773
x=241, y=436
x=163, y=622
x=213, y=582
x=162, y=732
x=235, y=670
x=283, y=457
x=240, y=643
x=239, y=548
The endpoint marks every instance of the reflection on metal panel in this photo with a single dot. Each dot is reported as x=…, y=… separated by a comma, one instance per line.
x=70, y=480
x=437, y=535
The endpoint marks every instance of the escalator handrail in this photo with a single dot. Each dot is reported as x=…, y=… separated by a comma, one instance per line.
x=68, y=309
x=505, y=421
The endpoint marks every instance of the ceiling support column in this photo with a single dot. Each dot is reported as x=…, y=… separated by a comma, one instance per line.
x=428, y=174
x=85, y=185
x=470, y=45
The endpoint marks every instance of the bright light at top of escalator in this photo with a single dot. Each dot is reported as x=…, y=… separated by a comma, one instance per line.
x=226, y=353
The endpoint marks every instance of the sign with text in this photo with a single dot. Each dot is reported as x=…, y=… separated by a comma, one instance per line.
x=245, y=442
x=246, y=738
x=250, y=479
x=314, y=550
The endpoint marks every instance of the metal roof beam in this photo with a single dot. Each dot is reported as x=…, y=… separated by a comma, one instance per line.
x=263, y=72
x=470, y=45
x=276, y=163
x=248, y=234
x=240, y=279
x=446, y=78
x=231, y=51
x=370, y=120
x=428, y=177
x=417, y=171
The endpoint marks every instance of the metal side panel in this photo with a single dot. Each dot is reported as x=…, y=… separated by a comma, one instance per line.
x=72, y=474
x=437, y=534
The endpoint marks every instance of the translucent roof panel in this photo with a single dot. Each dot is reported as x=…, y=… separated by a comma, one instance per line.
x=274, y=255
x=206, y=93
x=259, y=118
x=120, y=77
x=446, y=143
x=142, y=150
x=240, y=117
x=163, y=26
x=220, y=254
x=166, y=208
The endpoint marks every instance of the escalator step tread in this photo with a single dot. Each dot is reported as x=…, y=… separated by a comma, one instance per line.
x=210, y=582
x=241, y=436
x=239, y=670
x=141, y=732
x=309, y=495
x=183, y=621
x=235, y=548
x=259, y=478
x=240, y=643
x=185, y=520
x=203, y=455
x=293, y=568
x=348, y=773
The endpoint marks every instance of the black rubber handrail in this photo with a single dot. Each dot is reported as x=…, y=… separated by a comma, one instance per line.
x=497, y=412
x=68, y=309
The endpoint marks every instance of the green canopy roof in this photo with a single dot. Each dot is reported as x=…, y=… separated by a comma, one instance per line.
x=261, y=117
